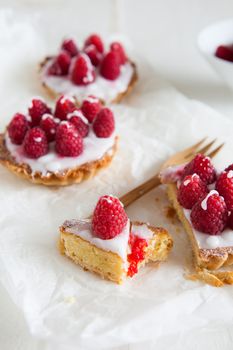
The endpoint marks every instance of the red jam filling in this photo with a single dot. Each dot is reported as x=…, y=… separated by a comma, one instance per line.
x=225, y=52
x=137, y=254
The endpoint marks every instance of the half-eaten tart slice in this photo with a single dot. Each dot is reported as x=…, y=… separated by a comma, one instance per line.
x=110, y=245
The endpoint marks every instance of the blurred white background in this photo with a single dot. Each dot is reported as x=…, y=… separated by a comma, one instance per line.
x=165, y=33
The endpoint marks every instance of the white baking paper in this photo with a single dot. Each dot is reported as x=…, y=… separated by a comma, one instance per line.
x=71, y=308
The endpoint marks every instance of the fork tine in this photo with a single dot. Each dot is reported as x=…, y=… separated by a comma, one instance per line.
x=191, y=148
x=202, y=150
x=215, y=151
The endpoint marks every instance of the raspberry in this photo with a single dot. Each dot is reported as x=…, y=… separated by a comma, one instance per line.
x=203, y=167
x=225, y=52
x=64, y=106
x=49, y=124
x=94, y=55
x=224, y=185
x=95, y=40
x=210, y=214
x=82, y=72
x=104, y=123
x=191, y=190
x=17, y=128
x=109, y=217
x=68, y=141
x=90, y=107
x=80, y=122
x=35, y=143
x=64, y=60
x=54, y=69
x=138, y=246
x=110, y=66
x=69, y=46
x=230, y=220
x=36, y=110
x=230, y=167
x=118, y=48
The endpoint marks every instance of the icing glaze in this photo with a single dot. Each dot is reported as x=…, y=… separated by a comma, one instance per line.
x=102, y=88
x=94, y=149
x=142, y=231
x=204, y=203
x=171, y=174
x=118, y=244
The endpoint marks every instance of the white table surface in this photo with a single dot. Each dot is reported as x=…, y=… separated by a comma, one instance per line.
x=165, y=32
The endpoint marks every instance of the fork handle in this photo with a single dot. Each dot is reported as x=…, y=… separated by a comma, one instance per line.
x=139, y=191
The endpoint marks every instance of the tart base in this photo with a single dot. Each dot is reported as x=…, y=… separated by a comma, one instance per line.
x=64, y=178
x=207, y=261
x=53, y=94
x=107, y=264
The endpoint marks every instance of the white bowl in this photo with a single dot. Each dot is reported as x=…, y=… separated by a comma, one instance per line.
x=220, y=33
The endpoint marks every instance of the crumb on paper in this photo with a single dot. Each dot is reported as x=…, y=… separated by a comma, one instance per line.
x=157, y=199
x=70, y=300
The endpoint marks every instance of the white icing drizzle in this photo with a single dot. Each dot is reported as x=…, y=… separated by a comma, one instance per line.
x=230, y=174
x=142, y=231
x=102, y=88
x=77, y=114
x=205, y=200
x=94, y=149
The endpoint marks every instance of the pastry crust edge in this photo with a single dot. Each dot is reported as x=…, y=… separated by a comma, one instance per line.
x=68, y=177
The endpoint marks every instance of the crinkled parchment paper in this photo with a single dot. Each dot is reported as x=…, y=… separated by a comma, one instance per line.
x=60, y=301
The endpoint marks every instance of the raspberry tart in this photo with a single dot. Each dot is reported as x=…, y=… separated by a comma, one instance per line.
x=90, y=69
x=110, y=245
x=59, y=147
x=203, y=200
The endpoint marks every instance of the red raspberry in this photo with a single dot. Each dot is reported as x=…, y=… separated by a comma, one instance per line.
x=95, y=40
x=110, y=66
x=80, y=122
x=82, y=72
x=225, y=52
x=64, y=60
x=224, y=185
x=191, y=190
x=230, y=167
x=210, y=214
x=90, y=107
x=49, y=124
x=68, y=141
x=230, y=220
x=118, y=48
x=70, y=46
x=94, y=55
x=109, y=217
x=64, y=106
x=203, y=167
x=36, y=110
x=104, y=123
x=35, y=143
x=17, y=128
x=54, y=69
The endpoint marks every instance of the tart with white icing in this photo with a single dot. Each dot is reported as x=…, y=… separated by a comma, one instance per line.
x=93, y=69
x=110, y=245
x=203, y=200
x=59, y=147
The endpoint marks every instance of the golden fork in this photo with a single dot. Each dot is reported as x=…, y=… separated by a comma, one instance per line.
x=176, y=159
